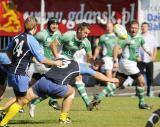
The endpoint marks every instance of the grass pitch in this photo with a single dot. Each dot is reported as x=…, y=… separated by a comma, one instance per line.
x=113, y=112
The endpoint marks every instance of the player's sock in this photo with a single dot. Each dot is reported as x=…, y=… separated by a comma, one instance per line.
x=12, y=111
x=63, y=116
x=82, y=91
x=140, y=93
x=38, y=100
x=111, y=93
x=108, y=90
x=154, y=118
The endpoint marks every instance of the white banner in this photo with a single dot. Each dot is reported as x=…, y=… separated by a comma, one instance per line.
x=149, y=11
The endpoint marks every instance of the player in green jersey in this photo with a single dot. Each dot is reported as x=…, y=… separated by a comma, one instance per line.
x=128, y=65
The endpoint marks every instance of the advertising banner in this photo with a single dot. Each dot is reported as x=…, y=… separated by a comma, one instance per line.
x=69, y=13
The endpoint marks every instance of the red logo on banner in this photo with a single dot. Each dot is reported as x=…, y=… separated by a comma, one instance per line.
x=10, y=21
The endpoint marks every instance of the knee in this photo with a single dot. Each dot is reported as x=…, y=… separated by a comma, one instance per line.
x=79, y=78
x=72, y=93
x=22, y=101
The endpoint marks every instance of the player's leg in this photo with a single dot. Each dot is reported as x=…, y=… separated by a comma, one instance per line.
x=33, y=103
x=39, y=70
x=110, y=88
x=66, y=105
x=153, y=119
x=47, y=87
x=80, y=86
x=140, y=90
x=20, y=86
x=149, y=77
x=21, y=100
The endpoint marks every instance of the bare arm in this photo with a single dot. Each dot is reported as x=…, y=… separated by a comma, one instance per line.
x=154, y=54
x=54, y=48
x=90, y=58
x=102, y=77
x=51, y=62
x=117, y=50
x=96, y=52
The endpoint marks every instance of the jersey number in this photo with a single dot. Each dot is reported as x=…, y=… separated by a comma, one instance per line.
x=65, y=64
x=18, y=48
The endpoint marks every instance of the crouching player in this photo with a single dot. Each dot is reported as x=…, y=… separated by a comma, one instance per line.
x=56, y=83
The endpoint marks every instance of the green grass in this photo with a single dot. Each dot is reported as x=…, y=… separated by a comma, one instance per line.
x=113, y=112
x=158, y=55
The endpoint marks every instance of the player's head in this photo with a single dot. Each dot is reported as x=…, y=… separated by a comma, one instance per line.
x=30, y=24
x=109, y=27
x=144, y=27
x=83, y=30
x=52, y=24
x=134, y=27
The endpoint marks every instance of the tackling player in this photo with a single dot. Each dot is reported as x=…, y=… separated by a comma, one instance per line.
x=46, y=38
x=56, y=83
x=73, y=41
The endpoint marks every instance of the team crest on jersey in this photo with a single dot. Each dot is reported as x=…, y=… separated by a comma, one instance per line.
x=132, y=42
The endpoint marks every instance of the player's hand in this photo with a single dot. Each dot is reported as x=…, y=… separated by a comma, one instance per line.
x=152, y=57
x=95, y=67
x=98, y=62
x=58, y=63
x=139, y=59
x=115, y=67
x=115, y=80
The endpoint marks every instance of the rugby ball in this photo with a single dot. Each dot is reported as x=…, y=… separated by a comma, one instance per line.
x=120, y=31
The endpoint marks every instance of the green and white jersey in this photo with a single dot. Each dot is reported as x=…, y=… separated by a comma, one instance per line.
x=107, y=42
x=131, y=47
x=46, y=38
x=71, y=44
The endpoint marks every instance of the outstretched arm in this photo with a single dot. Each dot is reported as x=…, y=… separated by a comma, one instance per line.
x=102, y=77
x=85, y=69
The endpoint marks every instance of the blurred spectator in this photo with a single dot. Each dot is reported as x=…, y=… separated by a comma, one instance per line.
x=145, y=63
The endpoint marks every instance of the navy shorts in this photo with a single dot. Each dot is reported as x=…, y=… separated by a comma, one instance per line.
x=45, y=87
x=18, y=82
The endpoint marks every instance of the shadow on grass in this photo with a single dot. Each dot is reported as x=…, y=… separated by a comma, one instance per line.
x=32, y=121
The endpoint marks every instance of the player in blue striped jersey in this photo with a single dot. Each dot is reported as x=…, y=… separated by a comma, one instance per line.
x=21, y=51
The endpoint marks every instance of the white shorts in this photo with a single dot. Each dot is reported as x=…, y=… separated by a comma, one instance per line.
x=108, y=63
x=128, y=67
x=37, y=68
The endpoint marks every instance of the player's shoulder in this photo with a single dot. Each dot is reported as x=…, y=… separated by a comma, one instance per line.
x=69, y=35
x=86, y=41
x=31, y=39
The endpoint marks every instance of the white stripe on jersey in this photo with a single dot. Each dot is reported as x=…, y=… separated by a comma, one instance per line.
x=68, y=76
x=20, y=61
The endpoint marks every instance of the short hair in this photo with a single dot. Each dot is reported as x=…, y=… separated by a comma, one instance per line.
x=83, y=26
x=134, y=22
x=30, y=23
x=145, y=23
